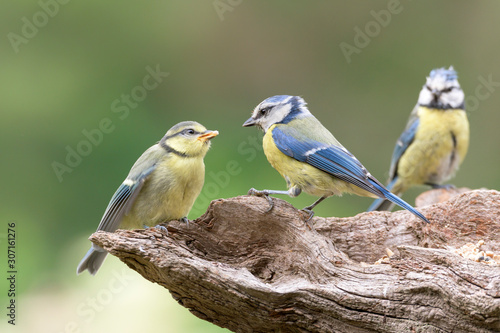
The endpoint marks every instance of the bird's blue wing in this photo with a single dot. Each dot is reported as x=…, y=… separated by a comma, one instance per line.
x=334, y=160
x=122, y=201
x=404, y=141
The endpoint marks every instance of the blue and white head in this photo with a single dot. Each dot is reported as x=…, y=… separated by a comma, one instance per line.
x=442, y=90
x=279, y=109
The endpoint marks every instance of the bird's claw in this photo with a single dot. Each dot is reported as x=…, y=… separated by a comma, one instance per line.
x=162, y=228
x=271, y=203
x=264, y=194
x=158, y=227
x=255, y=192
x=310, y=212
x=185, y=220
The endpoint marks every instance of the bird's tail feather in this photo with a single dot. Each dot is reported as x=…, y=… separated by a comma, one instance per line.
x=92, y=261
x=400, y=202
x=382, y=204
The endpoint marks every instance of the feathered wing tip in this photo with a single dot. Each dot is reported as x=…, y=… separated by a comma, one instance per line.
x=92, y=261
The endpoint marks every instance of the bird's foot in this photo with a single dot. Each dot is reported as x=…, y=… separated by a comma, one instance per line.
x=264, y=194
x=310, y=214
x=185, y=220
x=161, y=228
x=158, y=227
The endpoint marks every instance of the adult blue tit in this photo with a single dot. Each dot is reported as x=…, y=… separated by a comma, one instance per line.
x=161, y=186
x=435, y=140
x=309, y=157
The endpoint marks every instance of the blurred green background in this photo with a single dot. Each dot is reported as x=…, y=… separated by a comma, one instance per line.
x=67, y=66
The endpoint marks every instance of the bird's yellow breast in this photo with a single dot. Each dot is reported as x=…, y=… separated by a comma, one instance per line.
x=169, y=193
x=440, y=145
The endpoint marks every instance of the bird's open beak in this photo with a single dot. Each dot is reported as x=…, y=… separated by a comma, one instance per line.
x=208, y=135
x=250, y=122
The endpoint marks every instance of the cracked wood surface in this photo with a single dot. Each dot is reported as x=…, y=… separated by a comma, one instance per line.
x=251, y=271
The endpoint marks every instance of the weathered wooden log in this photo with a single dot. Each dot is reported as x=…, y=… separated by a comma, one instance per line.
x=249, y=270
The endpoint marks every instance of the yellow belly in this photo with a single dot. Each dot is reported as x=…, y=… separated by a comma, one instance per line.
x=168, y=194
x=439, y=147
x=308, y=178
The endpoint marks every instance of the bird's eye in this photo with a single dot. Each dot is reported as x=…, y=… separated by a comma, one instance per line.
x=265, y=110
x=189, y=131
x=448, y=89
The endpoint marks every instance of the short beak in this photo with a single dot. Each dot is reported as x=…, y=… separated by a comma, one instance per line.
x=208, y=135
x=436, y=92
x=250, y=122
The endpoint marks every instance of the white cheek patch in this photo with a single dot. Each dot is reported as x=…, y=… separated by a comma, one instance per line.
x=425, y=97
x=454, y=98
x=277, y=114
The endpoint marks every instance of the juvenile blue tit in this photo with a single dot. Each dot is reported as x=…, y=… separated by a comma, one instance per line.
x=161, y=186
x=435, y=140
x=309, y=157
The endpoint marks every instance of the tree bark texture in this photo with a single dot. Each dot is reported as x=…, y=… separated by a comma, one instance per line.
x=249, y=270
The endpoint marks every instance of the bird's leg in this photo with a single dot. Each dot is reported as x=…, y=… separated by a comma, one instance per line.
x=265, y=194
x=309, y=209
x=445, y=186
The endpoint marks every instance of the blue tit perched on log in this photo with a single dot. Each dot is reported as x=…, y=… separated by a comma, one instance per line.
x=161, y=186
x=435, y=140
x=309, y=157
